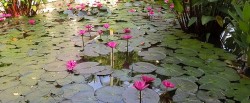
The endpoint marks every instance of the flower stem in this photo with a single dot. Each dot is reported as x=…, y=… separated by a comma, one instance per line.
x=127, y=50
x=112, y=63
x=82, y=43
x=140, y=97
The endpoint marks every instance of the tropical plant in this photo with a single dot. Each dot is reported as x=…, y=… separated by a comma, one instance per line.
x=241, y=22
x=21, y=7
x=201, y=17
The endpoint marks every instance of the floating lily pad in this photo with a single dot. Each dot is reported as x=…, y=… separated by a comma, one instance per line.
x=152, y=55
x=70, y=79
x=86, y=65
x=92, y=70
x=170, y=70
x=184, y=85
x=131, y=95
x=73, y=89
x=208, y=97
x=143, y=67
x=56, y=66
x=194, y=71
x=186, y=97
x=123, y=74
x=110, y=94
x=210, y=82
x=230, y=74
x=53, y=76
x=84, y=97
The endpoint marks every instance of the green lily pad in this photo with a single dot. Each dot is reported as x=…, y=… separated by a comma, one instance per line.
x=184, y=85
x=92, y=70
x=170, y=70
x=143, y=67
x=110, y=94
x=208, y=97
x=86, y=65
x=84, y=97
x=123, y=74
x=56, y=66
x=238, y=91
x=186, y=97
x=131, y=95
x=190, y=61
x=230, y=74
x=194, y=71
x=70, y=79
x=210, y=82
x=171, y=60
x=152, y=55
x=73, y=89
x=53, y=76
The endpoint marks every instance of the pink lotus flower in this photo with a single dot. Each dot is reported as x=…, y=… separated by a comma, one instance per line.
x=82, y=32
x=127, y=30
x=168, y=84
x=99, y=5
x=106, y=25
x=149, y=8
x=100, y=32
x=166, y=1
x=140, y=85
x=71, y=65
x=171, y=5
x=2, y=19
x=32, y=22
x=89, y=27
x=132, y=10
x=127, y=36
x=70, y=8
x=147, y=79
x=112, y=44
x=151, y=13
x=68, y=4
x=8, y=15
x=159, y=9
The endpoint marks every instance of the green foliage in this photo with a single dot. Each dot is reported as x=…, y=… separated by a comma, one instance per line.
x=22, y=7
x=241, y=22
x=201, y=17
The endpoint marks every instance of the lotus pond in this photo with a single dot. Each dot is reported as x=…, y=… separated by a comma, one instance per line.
x=33, y=59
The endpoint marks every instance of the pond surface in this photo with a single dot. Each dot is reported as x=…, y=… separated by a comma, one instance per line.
x=33, y=60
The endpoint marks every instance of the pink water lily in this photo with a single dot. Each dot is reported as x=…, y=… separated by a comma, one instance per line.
x=106, y=25
x=32, y=22
x=99, y=5
x=166, y=1
x=8, y=15
x=112, y=44
x=132, y=10
x=127, y=36
x=82, y=32
x=171, y=5
x=89, y=27
x=100, y=32
x=168, y=84
x=127, y=30
x=151, y=13
x=81, y=7
x=147, y=79
x=149, y=8
x=159, y=9
x=2, y=19
x=71, y=65
x=140, y=85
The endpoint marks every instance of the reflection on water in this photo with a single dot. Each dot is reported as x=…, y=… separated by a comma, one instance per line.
x=121, y=59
